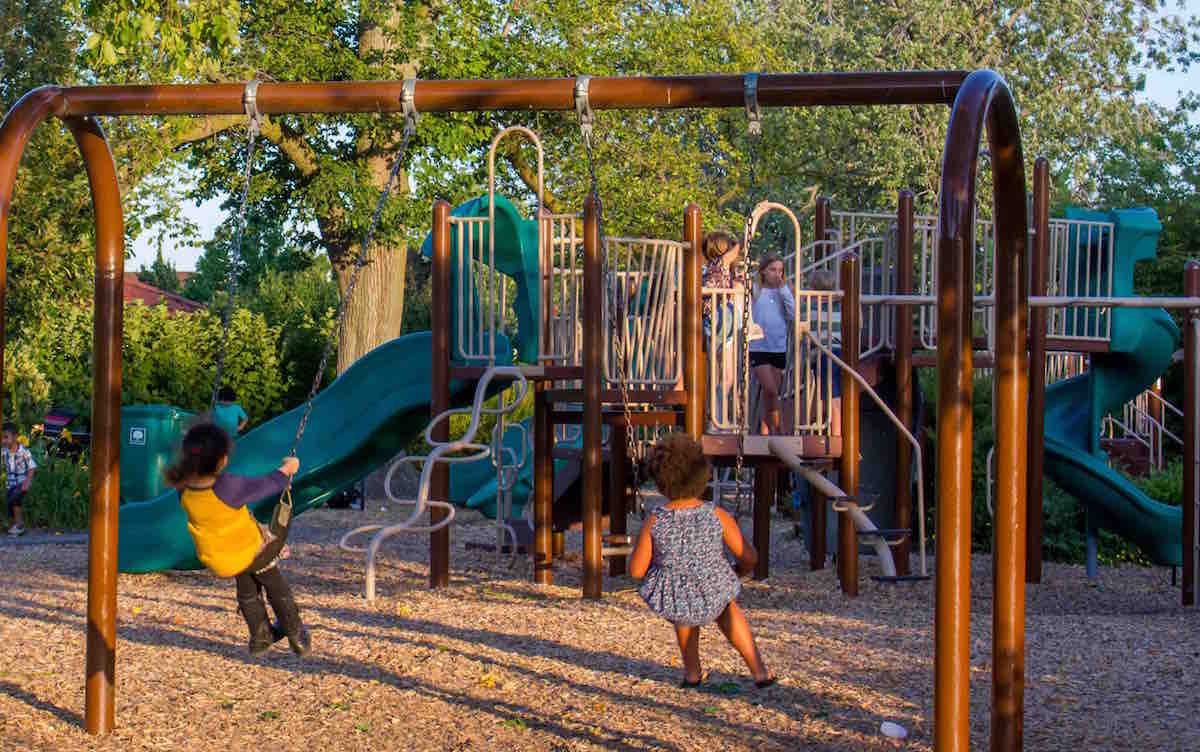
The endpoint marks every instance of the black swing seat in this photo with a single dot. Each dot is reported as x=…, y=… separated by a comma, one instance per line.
x=889, y=534
x=901, y=578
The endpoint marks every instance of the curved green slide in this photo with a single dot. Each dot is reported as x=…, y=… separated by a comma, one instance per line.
x=1143, y=344
x=358, y=423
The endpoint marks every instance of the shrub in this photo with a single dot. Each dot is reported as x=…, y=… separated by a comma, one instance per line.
x=26, y=388
x=59, y=492
x=1164, y=486
x=166, y=358
x=301, y=305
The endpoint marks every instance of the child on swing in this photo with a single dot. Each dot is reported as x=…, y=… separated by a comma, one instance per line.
x=230, y=542
x=680, y=553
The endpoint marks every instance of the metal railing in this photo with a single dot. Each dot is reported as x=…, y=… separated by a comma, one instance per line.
x=722, y=345
x=479, y=290
x=1080, y=265
x=561, y=341
x=808, y=373
x=1138, y=422
x=643, y=279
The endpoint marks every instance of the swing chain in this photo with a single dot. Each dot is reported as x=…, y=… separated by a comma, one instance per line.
x=754, y=130
x=411, y=116
x=617, y=307
x=253, y=127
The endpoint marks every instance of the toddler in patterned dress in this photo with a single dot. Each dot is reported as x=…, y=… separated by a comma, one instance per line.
x=680, y=553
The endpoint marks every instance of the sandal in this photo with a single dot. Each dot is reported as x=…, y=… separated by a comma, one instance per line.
x=685, y=684
x=764, y=683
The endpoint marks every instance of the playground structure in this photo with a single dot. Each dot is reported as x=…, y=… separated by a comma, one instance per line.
x=978, y=98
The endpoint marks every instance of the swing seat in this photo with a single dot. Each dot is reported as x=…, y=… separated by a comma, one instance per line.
x=891, y=536
x=900, y=578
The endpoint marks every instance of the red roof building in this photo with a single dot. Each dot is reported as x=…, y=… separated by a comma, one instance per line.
x=135, y=289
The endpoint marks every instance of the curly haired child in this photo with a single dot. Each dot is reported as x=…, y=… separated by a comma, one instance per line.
x=680, y=554
x=229, y=541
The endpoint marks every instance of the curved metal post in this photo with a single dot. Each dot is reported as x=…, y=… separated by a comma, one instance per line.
x=18, y=127
x=761, y=210
x=106, y=424
x=983, y=98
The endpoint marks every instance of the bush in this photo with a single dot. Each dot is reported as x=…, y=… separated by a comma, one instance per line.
x=166, y=359
x=1164, y=486
x=26, y=388
x=301, y=305
x=59, y=492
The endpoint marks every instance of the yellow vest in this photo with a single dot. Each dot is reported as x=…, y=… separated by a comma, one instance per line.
x=227, y=539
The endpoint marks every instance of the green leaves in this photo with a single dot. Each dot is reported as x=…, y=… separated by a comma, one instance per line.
x=191, y=39
x=166, y=359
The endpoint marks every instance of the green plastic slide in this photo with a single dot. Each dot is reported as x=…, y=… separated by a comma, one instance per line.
x=1142, y=346
x=359, y=422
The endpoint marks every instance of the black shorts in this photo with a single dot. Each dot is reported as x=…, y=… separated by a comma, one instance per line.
x=16, y=498
x=762, y=358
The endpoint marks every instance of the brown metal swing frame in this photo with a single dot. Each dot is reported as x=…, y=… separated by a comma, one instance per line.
x=977, y=100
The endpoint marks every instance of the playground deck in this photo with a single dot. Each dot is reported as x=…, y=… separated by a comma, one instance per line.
x=495, y=662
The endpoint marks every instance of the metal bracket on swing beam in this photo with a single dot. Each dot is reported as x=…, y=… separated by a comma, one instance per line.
x=408, y=104
x=250, y=104
x=583, y=106
x=753, y=113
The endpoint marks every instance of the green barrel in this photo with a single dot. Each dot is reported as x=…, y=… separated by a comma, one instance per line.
x=150, y=436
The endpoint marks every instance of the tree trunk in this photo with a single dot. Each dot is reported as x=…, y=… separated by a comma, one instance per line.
x=376, y=308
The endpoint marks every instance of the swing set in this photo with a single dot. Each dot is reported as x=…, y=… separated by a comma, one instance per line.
x=976, y=99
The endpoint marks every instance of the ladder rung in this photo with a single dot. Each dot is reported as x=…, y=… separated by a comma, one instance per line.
x=609, y=551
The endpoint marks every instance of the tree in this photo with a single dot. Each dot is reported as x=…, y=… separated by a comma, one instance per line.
x=1074, y=68
x=300, y=304
x=268, y=244
x=1162, y=171
x=161, y=274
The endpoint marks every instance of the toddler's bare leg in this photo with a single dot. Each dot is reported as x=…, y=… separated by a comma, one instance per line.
x=736, y=629
x=689, y=649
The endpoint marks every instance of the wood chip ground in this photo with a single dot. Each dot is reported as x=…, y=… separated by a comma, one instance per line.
x=494, y=662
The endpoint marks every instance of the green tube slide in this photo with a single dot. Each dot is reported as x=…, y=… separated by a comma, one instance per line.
x=1143, y=344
